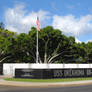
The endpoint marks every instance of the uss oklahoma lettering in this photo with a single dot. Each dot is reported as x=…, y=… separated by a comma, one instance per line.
x=68, y=73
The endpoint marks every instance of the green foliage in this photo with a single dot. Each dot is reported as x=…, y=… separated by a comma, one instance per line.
x=54, y=47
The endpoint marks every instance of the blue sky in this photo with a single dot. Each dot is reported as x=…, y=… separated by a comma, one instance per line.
x=73, y=17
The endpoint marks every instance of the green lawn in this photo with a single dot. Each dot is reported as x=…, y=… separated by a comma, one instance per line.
x=48, y=80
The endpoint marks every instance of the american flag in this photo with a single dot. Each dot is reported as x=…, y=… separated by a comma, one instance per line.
x=38, y=24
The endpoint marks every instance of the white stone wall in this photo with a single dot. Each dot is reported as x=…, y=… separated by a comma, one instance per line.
x=9, y=68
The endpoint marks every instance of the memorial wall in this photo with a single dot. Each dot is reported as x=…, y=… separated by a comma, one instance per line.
x=9, y=68
x=1, y=69
x=53, y=73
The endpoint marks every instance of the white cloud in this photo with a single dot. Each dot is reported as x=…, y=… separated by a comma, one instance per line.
x=70, y=25
x=77, y=40
x=88, y=41
x=17, y=19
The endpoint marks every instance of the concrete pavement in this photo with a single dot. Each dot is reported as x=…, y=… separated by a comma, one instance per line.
x=85, y=88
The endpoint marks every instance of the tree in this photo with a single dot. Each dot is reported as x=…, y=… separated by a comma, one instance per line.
x=90, y=56
x=1, y=25
x=54, y=47
x=5, y=42
x=88, y=47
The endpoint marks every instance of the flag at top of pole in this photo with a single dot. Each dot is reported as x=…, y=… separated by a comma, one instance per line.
x=38, y=24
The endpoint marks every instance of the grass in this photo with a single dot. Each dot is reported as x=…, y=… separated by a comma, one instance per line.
x=48, y=80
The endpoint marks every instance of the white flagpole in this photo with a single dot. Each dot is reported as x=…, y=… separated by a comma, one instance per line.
x=37, y=48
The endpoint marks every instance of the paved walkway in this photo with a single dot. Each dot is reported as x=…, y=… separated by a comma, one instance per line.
x=33, y=84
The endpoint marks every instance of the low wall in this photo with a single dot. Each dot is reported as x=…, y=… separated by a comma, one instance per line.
x=9, y=68
x=1, y=69
x=53, y=73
